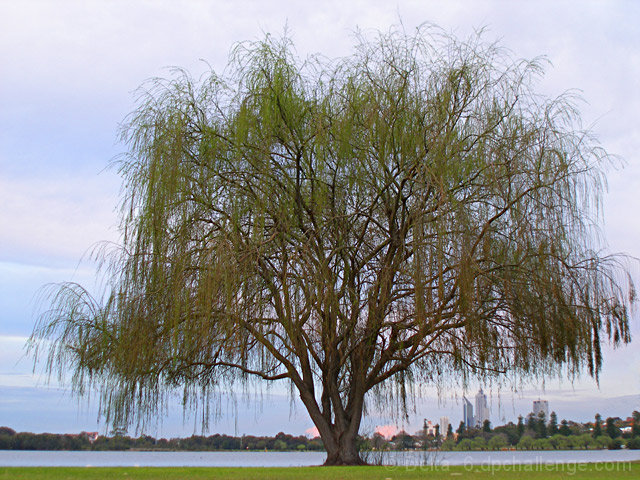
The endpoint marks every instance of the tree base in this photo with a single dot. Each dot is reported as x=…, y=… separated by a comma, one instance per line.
x=338, y=460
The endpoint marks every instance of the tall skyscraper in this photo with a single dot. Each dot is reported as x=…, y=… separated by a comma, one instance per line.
x=541, y=406
x=444, y=426
x=467, y=413
x=482, y=409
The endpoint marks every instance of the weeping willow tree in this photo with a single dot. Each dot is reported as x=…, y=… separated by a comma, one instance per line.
x=412, y=212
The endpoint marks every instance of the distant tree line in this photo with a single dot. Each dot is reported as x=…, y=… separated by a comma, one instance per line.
x=538, y=433
x=11, y=440
x=532, y=433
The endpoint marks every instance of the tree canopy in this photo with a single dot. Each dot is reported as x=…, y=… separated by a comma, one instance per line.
x=411, y=212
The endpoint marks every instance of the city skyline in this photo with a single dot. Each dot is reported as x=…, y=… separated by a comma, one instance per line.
x=69, y=416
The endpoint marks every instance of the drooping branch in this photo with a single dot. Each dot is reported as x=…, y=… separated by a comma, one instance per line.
x=412, y=212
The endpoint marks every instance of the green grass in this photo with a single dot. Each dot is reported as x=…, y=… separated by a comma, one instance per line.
x=588, y=471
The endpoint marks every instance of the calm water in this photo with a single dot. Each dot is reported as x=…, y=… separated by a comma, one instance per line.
x=17, y=458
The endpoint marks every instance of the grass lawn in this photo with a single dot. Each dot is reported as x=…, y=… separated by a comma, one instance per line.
x=587, y=471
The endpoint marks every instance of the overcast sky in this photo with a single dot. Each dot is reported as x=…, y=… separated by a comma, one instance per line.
x=68, y=70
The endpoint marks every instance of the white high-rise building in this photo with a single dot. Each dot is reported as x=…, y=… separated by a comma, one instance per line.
x=444, y=426
x=482, y=409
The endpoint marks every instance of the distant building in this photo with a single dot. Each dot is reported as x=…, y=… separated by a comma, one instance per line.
x=541, y=406
x=429, y=428
x=482, y=409
x=444, y=426
x=467, y=413
x=91, y=436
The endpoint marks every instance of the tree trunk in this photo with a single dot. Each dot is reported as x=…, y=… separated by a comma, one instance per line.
x=343, y=452
x=339, y=436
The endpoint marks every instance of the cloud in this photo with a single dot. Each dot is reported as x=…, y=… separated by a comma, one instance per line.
x=17, y=369
x=312, y=432
x=55, y=218
x=20, y=288
x=387, y=431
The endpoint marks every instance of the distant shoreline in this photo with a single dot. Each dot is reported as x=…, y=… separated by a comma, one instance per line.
x=534, y=436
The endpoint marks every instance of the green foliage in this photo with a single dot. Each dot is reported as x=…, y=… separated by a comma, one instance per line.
x=478, y=443
x=542, y=444
x=532, y=423
x=486, y=426
x=403, y=441
x=597, y=426
x=449, y=431
x=47, y=441
x=465, y=444
x=448, y=445
x=612, y=429
x=526, y=443
x=560, y=442
x=635, y=426
x=412, y=213
x=497, y=442
x=553, y=424
x=603, y=441
x=279, y=445
x=615, y=444
x=541, y=426
x=520, y=427
x=510, y=431
x=633, y=443
x=582, y=441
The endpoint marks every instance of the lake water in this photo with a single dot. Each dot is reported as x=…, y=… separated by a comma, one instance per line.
x=28, y=458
